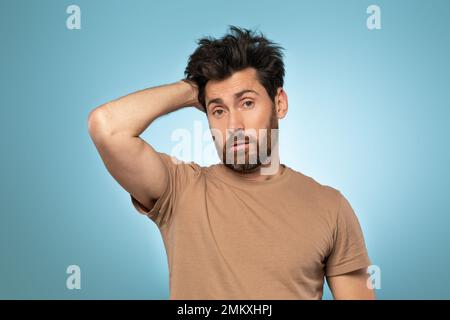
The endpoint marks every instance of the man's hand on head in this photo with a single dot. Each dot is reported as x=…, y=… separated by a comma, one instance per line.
x=194, y=100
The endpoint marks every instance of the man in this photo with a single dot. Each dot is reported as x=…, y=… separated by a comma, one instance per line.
x=248, y=227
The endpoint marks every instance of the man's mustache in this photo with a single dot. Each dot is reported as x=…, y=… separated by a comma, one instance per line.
x=240, y=138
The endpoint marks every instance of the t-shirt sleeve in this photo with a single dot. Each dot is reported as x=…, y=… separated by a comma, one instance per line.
x=180, y=175
x=349, y=252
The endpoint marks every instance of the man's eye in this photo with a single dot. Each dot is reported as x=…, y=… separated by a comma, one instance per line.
x=218, y=112
x=246, y=103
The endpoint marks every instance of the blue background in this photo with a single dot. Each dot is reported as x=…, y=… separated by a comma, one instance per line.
x=369, y=115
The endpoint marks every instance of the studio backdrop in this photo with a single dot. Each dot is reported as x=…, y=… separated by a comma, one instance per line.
x=368, y=84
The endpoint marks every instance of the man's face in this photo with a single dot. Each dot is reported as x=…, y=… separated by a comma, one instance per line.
x=241, y=115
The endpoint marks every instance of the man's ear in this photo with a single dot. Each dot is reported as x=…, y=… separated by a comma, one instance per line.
x=281, y=103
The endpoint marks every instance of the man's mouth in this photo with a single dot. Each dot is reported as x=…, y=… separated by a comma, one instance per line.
x=239, y=145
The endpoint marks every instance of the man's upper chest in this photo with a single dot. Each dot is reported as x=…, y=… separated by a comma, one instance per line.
x=268, y=227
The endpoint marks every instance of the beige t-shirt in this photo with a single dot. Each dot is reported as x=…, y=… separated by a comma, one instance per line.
x=228, y=238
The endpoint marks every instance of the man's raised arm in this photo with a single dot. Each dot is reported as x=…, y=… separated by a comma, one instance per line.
x=115, y=128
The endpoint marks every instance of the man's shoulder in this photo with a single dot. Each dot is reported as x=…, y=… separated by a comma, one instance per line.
x=181, y=168
x=174, y=160
x=313, y=188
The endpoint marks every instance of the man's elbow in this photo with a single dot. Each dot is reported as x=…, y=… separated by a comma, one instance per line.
x=97, y=122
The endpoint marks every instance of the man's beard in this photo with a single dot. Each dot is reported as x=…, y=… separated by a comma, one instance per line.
x=244, y=160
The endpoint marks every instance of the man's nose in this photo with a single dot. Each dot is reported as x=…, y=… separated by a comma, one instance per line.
x=235, y=121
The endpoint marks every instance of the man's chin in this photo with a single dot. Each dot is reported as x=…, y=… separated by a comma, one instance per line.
x=243, y=168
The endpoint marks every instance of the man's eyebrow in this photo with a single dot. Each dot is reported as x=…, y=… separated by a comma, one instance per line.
x=240, y=93
x=236, y=96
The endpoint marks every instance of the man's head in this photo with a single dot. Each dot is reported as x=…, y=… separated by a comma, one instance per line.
x=240, y=85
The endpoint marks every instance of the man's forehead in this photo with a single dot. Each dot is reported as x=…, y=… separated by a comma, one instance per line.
x=230, y=86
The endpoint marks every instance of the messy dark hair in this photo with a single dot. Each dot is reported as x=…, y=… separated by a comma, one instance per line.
x=217, y=59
